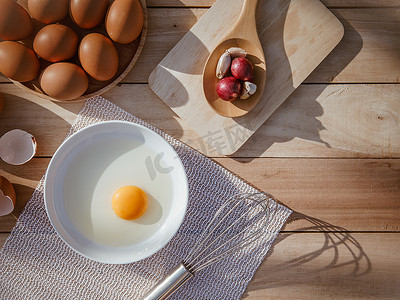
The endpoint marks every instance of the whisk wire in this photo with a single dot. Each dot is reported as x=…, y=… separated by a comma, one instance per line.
x=224, y=253
x=196, y=262
x=216, y=239
x=210, y=232
x=246, y=233
x=207, y=229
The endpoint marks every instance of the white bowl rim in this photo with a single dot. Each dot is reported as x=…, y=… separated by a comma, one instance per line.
x=57, y=225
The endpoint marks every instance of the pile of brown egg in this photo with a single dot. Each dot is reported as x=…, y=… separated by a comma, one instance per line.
x=56, y=45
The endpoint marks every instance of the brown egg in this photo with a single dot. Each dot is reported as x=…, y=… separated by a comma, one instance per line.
x=48, y=11
x=7, y=196
x=15, y=22
x=55, y=43
x=1, y=103
x=18, y=62
x=88, y=13
x=64, y=81
x=124, y=21
x=98, y=56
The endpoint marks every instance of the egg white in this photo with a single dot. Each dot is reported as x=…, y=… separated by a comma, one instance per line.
x=98, y=171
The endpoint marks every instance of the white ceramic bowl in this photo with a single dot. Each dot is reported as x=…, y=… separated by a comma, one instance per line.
x=85, y=171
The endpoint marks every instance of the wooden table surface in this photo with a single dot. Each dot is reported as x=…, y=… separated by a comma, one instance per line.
x=330, y=152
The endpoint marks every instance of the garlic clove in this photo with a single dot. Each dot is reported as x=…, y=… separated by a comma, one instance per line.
x=248, y=89
x=237, y=52
x=223, y=65
x=7, y=196
x=17, y=147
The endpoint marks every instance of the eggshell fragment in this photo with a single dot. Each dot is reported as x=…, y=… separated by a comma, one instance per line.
x=64, y=81
x=124, y=20
x=48, y=11
x=55, y=43
x=7, y=196
x=17, y=147
x=15, y=22
x=98, y=56
x=18, y=62
x=88, y=13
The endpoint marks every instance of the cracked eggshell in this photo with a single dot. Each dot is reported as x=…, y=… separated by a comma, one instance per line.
x=17, y=147
x=7, y=196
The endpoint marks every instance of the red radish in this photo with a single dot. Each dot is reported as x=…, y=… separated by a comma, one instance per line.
x=242, y=69
x=229, y=88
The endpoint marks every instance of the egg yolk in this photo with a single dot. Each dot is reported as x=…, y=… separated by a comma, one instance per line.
x=129, y=202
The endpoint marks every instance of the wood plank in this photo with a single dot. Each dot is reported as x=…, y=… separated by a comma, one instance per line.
x=326, y=265
x=329, y=266
x=3, y=238
x=347, y=194
x=316, y=121
x=361, y=3
x=328, y=3
x=354, y=194
x=166, y=28
x=180, y=3
x=369, y=51
x=337, y=120
x=48, y=121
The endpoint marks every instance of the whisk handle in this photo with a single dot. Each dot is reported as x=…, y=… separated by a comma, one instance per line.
x=169, y=284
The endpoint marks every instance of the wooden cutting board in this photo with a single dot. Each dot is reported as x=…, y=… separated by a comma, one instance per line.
x=296, y=36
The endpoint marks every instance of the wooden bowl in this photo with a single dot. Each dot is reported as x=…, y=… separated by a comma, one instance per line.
x=238, y=107
x=128, y=55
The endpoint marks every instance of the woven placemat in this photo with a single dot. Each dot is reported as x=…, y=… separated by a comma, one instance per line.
x=36, y=264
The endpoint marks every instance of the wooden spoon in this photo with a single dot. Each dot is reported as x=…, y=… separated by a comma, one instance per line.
x=243, y=35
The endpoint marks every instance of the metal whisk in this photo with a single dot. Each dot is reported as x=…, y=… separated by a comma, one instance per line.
x=237, y=223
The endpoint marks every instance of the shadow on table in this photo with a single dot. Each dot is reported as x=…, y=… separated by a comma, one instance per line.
x=45, y=126
x=49, y=128
x=295, y=119
x=332, y=247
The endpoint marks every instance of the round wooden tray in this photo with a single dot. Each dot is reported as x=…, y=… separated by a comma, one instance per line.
x=128, y=55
